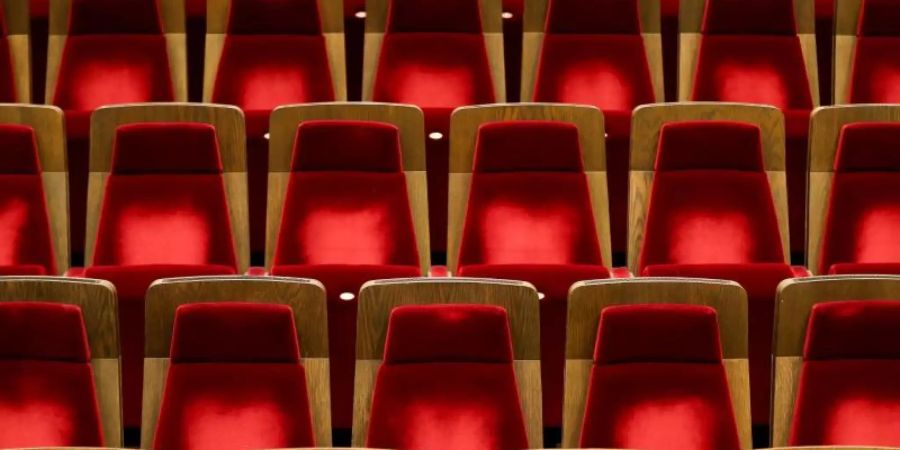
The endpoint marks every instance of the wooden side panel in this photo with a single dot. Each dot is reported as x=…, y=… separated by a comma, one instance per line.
x=738, y=373
x=846, y=21
x=18, y=36
x=785, y=381
x=534, y=20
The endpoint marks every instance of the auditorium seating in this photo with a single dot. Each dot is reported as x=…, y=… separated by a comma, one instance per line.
x=264, y=54
x=59, y=363
x=654, y=374
x=33, y=209
x=867, y=42
x=105, y=52
x=15, y=47
x=757, y=52
x=853, y=198
x=602, y=53
x=348, y=205
x=438, y=55
x=528, y=202
x=836, y=362
x=708, y=200
x=235, y=362
x=448, y=363
x=169, y=185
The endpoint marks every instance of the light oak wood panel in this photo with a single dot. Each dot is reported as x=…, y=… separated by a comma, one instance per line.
x=846, y=20
x=229, y=124
x=794, y=303
x=99, y=309
x=378, y=298
x=305, y=297
x=17, y=22
x=825, y=130
x=464, y=127
x=588, y=298
x=409, y=121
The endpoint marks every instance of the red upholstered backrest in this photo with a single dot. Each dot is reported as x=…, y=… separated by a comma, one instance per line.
x=274, y=17
x=593, y=17
x=347, y=145
x=18, y=147
x=853, y=329
x=529, y=201
x=760, y=17
x=738, y=146
x=658, y=333
x=234, y=333
x=448, y=333
x=868, y=147
x=434, y=16
x=114, y=17
x=43, y=331
x=166, y=147
x=879, y=18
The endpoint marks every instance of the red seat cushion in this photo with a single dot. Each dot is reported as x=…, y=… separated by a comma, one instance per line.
x=864, y=268
x=447, y=381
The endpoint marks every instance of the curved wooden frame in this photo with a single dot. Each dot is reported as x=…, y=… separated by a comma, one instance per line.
x=378, y=298
x=794, y=303
x=535, y=20
x=464, y=126
x=172, y=18
x=407, y=118
x=588, y=298
x=690, y=22
x=825, y=130
x=99, y=307
x=18, y=24
x=646, y=123
x=331, y=16
x=492, y=29
x=49, y=133
x=305, y=297
x=846, y=25
x=229, y=124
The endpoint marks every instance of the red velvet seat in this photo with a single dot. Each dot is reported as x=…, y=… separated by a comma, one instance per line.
x=114, y=52
x=529, y=217
x=864, y=204
x=711, y=215
x=875, y=74
x=26, y=245
x=751, y=53
x=651, y=390
x=47, y=392
x=848, y=394
x=346, y=220
x=434, y=56
x=235, y=380
x=447, y=381
x=593, y=54
x=164, y=214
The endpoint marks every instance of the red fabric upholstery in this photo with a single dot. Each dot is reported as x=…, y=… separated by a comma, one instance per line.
x=858, y=268
x=47, y=394
x=527, y=146
x=274, y=17
x=434, y=16
x=347, y=145
x=868, y=147
x=879, y=18
x=19, y=148
x=847, y=394
x=114, y=17
x=648, y=390
x=876, y=72
x=593, y=17
x=166, y=148
x=460, y=396
x=681, y=146
x=235, y=380
x=740, y=17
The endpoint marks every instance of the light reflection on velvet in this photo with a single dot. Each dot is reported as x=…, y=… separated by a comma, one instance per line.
x=875, y=77
x=24, y=227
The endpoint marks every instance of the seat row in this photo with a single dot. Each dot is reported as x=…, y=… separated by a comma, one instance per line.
x=242, y=362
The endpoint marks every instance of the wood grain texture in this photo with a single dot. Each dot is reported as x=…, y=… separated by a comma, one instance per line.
x=305, y=297
x=378, y=298
x=47, y=123
x=846, y=20
x=17, y=22
x=155, y=370
x=588, y=298
x=99, y=309
x=647, y=122
x=464, y=126
x=229, y=124
x=408, y=119
x=826, y=124
x=786, y=377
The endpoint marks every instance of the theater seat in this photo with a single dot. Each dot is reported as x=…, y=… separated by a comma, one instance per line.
x=875, y=70
x=164, y=213
x=346, y=219
x=47, y=391
x=237, y=357
x=447, y=381
x=434, y=54
x=15, y=45
x=529, y=217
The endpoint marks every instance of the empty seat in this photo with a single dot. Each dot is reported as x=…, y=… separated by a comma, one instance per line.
x=164, y=211
x=274, y=52
x=435, y=54
x=711, y=211
x=868, y=70
x=347, y=216
x=593, y=53
x=106, y=52
x=529, y=215
x=751, y=52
